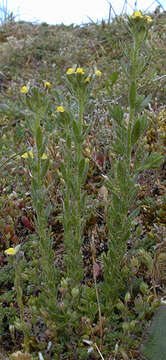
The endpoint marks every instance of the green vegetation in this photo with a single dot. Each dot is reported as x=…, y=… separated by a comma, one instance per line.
x=155, y=346
x=82, y=189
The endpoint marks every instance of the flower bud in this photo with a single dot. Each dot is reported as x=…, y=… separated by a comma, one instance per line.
x=120, y=306
x=133, y=324
x=127, y=297
x=12, y=331
x=143, y=287
x=64, y=283
x=75, y=292
x=134, y=262
x=125, y=326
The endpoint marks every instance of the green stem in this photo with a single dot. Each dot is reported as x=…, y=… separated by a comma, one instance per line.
x=18, y=270
x=81, y=111
x=132, y=100
x=72, y=227
x=39, y=170
x=79, y=156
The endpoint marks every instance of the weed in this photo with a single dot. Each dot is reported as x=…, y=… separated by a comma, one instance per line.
x=75, y=189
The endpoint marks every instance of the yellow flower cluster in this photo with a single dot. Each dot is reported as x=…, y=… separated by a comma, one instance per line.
x=148, y=18
x=24, y=90
x=138, y=15
x=47, y=84
x=60, y=109
x=87, y=80
x=12, y=251
x=98, y=73
x=30, y=154
x=81, y=71
x=26, y=155
x=70, y=71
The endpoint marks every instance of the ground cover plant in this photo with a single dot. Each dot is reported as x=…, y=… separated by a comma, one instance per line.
x=82, y=192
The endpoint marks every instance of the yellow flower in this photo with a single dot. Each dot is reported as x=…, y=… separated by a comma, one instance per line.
x=70, y=71
x=60, y=109
x=12, y=251
x=47, y=84
x=148, y=18
x=27, y=154
x=87, y=80
x=44, y=156
x=24, y=90
x=137, y=15
x=98, y=73
x=30, y=153
x=80, y=71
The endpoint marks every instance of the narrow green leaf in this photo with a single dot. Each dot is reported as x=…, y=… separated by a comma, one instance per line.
x=144, y=123
x=122, y=176
x=121, y=169
x=140, y=106
x=153, y=161
x=45, y=166
x=125, y=68
x=29, y=103
x=42, y=149
x=114, y=77
x=115, y=203
x=83, y=200
x=132, y=95
x=85, y=172
x=72, y=185
x=118, y=148
x=134, y=214
x=48, y=210
x=63, y=171
x=135, y=132
x=34, y=183
x=116, y=112
x=58, y=97
x=39, y=138
x=81, y=166
x=76, y=132
x=68, y=142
